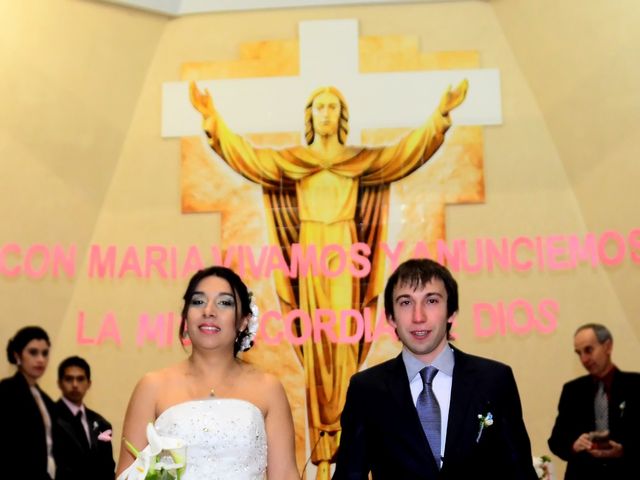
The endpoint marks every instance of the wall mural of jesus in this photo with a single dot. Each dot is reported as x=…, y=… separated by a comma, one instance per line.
x=327, y=193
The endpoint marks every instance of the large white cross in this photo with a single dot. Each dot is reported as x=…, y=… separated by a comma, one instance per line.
x=329, y=56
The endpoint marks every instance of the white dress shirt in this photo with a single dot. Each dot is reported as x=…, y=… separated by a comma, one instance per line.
x=441, y=385
x=83, y=419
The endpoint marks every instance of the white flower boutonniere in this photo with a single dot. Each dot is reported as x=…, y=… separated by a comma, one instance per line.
x=622, y=407
x=542, y=466
x=485, y=421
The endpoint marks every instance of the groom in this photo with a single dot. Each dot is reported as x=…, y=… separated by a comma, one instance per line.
x=433, y=411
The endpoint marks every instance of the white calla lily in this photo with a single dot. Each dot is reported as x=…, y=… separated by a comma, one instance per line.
x=151, y=460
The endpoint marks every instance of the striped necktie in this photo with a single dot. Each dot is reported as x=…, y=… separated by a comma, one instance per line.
x=429, y=412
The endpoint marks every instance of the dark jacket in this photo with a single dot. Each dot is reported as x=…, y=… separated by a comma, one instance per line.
x=576, y=416
x=75, y=458
x=22, y=433
x=382, y=434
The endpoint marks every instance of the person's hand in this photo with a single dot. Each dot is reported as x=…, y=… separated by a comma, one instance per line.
x=611, y=450
x=453, y=98
x=582, y=443
x=204, y=104
x=201, y=101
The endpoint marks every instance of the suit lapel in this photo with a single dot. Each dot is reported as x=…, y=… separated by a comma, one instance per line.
x=408, y=420
x=617, y=402
x=91, y=422
x=96, y=426
x=462, y=392
x=68, y=423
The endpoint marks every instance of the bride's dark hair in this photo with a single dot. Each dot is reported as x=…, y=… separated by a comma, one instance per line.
x=240, y=293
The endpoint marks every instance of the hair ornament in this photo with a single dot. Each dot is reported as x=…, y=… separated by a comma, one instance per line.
x=252, y=327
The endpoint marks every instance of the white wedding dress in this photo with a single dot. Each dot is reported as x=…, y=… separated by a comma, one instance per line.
x=225, y=438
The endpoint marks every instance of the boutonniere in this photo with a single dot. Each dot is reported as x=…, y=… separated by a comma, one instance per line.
x=542, y=466
x=95, y=425
x=485, y=421
x=622, y=407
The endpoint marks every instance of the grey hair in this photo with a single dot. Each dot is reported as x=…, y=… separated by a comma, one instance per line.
x=602, y=333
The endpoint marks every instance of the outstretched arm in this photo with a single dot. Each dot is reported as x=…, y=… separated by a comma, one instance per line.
x=203, y=103
x=453, y=98
x=396, y=161
x=257, y=165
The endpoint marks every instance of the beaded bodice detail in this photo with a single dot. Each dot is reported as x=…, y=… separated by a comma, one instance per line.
x=225, y=438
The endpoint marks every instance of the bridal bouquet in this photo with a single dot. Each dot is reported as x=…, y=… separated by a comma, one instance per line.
x=163, y=459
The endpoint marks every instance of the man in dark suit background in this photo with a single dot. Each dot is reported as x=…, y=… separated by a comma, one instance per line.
x=401, y=423
x=583, y=417
x=82, y=448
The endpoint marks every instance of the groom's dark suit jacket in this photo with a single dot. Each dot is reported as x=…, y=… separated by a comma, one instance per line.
x=576, y=416
x=75, y=459
x=382, y=434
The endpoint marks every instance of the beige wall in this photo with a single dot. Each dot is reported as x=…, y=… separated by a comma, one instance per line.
x=72, y=72
x=83, y=163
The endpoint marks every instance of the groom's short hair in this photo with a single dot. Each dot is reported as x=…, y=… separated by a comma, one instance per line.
x=417, y=273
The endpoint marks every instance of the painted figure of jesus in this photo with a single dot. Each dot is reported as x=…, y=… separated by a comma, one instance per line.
x=328, y=193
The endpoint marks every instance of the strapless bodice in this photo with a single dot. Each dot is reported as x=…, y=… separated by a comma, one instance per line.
x=225, y=438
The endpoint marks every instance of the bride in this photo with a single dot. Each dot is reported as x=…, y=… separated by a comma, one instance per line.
x=234, y=419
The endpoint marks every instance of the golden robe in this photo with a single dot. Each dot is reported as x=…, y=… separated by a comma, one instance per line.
x=311, y=201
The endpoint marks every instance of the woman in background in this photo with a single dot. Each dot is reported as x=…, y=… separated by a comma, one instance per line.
x=26, y=411
x=234, y=419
